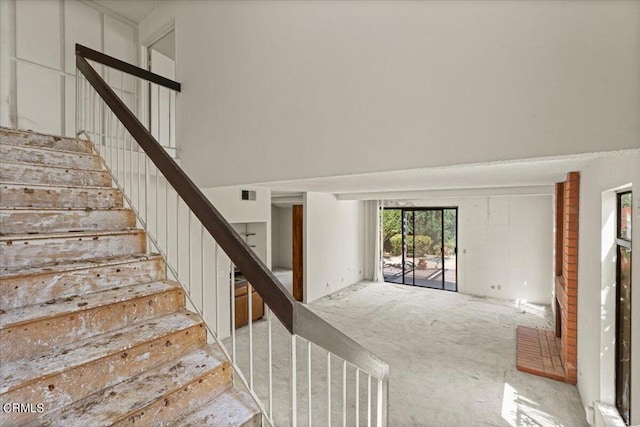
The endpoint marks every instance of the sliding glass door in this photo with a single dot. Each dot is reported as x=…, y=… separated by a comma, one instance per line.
x=420, y=247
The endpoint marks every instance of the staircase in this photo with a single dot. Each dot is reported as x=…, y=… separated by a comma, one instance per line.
x=91, y=330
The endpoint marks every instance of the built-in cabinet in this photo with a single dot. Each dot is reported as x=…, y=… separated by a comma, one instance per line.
x=254, y=234
x=242, y=304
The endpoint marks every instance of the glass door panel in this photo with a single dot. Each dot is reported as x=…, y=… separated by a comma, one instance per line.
x=409, y=247
x=450, y=230
x=392, y=247
x=428, y=244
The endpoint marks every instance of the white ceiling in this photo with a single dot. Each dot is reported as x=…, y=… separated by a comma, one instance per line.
x=513, y=174
x=133, y=10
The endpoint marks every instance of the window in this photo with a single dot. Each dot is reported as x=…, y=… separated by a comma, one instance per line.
x=623, y=306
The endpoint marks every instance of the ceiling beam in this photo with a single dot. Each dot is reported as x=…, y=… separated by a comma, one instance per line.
x=534, y=190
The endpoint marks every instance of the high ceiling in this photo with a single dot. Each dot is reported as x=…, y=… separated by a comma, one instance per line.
x=134, y=10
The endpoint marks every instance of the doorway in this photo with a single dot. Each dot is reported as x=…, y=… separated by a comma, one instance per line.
x=420, y=247
x=161, y=59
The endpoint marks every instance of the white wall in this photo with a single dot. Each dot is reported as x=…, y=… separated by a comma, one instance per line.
x=275, y=236
x=333, y=244
x=228, y=201
x=256, y=213
x=37, y=60
x=340, y=85
x=596, y=280
x=505, y=245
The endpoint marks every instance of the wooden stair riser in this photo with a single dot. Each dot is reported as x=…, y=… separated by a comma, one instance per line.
x=232, y=408
x=31, y=139
x=43, y=287
x=255, y=421
x=61, y=389
x=28, y=338
x=57, y=221
x=155, y=396
x=25, y=196
x=41, y=251
x=182, y=401
x=24, y=173
x=45, y=157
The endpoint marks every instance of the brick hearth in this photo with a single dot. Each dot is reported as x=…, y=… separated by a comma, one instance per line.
x=538, y=353
x=553, y=354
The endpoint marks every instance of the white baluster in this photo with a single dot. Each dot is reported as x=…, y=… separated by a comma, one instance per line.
x=329, y=389
x=293, y=420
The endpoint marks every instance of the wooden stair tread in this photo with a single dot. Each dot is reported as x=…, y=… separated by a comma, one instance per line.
x=52, y=167
x=48, y=157
x=28, y=133
x=231, y=408
x=117, y=402
x=47, y=196
x=37, y=221
x=71, y=305
x=67, y=235
x=76, y=265
x=53, y=187
x=43, y=249
x=10, y=144
x=22, y=371
x=59, y=210
x=32, y=173
x=37, y=139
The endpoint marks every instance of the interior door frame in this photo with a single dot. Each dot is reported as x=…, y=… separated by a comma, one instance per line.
x=297, y=223
x=145, y=61
x=441, y=209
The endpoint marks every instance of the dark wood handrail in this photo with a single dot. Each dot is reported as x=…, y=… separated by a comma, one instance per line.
x=110, y=61
x=260, y=277
x=295, y=317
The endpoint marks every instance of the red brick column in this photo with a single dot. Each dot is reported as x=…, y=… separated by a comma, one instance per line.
x=568, y=288
x=559, y=227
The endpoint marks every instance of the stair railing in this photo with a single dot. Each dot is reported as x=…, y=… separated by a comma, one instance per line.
x=300, y=382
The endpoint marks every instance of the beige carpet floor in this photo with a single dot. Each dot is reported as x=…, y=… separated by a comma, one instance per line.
x=451, y=357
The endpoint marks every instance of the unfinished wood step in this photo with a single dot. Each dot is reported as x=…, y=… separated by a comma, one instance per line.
x=48, y=157
x=38, y=328
x=233, y=408
x=48, y=196
x=74, y=371
x=40, y=284
x=31, y=221
x=44, y=249
x=26, y=173
x=34, y=139
x=153, y=397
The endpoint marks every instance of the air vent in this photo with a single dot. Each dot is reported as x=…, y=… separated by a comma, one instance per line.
x=248, y=195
